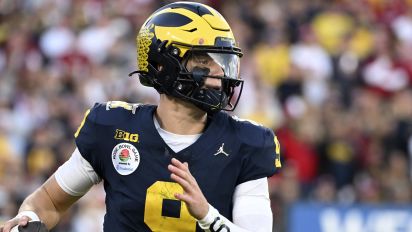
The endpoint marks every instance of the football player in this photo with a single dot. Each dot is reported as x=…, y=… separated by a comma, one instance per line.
x=183, y=165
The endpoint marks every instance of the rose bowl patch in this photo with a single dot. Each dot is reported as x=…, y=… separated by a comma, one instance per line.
x=125, y=158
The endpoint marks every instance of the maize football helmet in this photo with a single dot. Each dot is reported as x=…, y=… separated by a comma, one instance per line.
x=174, y=34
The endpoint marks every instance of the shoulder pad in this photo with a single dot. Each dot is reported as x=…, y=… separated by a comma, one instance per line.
x=112, y=112
x=252, y=133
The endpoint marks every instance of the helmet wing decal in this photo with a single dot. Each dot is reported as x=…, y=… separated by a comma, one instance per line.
x=170, y=19
x=194, y=7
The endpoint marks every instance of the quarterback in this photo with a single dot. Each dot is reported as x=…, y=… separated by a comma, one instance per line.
x=183, y=165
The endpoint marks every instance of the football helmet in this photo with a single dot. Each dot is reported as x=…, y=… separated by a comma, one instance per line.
x=177, y=33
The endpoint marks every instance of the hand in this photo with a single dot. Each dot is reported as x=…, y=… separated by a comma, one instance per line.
x=193, y=197
x=22, y=221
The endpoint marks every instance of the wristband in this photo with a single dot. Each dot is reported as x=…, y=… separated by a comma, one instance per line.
x=210, y=218
x=213, y=221
x=205, y=222
x=32, y=215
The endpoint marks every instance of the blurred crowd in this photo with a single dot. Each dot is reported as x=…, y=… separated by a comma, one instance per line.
x=333, y=78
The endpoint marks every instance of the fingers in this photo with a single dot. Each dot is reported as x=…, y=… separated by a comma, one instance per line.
x=10, y=224
x=181, y=175
x=22, y=221
x=192, y=195
x=177, y=163
x=184, y=197
x=188, y=188
x=181, y=170
x=185, y=184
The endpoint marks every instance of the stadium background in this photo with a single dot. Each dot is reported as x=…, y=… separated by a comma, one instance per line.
x=332, y=78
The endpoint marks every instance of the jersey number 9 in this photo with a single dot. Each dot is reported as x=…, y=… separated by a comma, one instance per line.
x=155, y=196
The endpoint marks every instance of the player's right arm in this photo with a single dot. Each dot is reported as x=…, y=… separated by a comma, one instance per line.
x=69, y=183
x=47, y=204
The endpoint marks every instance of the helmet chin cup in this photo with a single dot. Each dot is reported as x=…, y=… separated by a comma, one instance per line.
x=210, y=100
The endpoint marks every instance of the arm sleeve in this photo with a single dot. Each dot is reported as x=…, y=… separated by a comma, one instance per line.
x=251, y=210
x=76, y=176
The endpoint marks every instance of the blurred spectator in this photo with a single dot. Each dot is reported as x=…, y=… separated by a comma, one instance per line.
x=299, y=139
x=314, y=65
x=395, y=180
x=325, y=190
x=384, y=72
x=57, y=40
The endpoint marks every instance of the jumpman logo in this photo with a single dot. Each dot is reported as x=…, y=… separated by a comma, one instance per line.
x=221, y=151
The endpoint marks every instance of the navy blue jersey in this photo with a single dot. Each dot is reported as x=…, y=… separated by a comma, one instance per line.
x=121, y=143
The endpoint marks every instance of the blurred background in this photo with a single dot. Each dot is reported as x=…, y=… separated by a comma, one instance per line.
x=333, y=78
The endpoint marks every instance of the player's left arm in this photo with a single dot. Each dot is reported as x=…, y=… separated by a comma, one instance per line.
x=251, y=211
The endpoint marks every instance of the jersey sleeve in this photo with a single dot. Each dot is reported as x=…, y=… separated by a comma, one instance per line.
x=86, y=137
x=260, y=153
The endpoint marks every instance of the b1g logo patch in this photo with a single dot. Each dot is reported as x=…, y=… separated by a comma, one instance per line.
x=125, y=158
